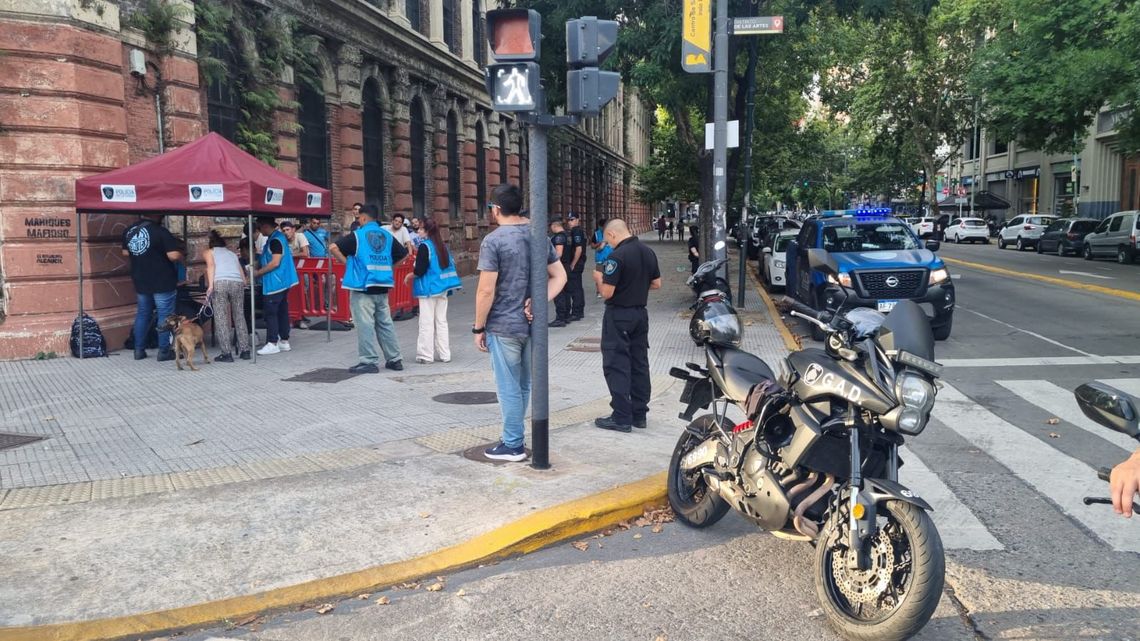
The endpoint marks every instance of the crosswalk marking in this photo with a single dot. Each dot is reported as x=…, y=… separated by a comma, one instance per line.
x=1061, y=403
x=957, y=525
x=1062, y=479
x=1040, y=361
x=1129, y=386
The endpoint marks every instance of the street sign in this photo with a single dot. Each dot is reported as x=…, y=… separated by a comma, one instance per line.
x=733, y=134
x=961, y=201
x=757, y=25
x=696, y=36
x=945, y=191
x=961, y=191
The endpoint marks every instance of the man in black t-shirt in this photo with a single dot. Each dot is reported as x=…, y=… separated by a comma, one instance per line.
x=153, y=252
x=561, y=241
x=577, y=249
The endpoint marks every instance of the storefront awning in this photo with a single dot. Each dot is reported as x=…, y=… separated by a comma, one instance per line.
x=983, y=201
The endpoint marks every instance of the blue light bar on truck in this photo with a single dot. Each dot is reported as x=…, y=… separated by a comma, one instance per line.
x=876, y=212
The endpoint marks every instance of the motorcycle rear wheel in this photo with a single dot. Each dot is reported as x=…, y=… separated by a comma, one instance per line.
x=916, y=578
x=693, y=502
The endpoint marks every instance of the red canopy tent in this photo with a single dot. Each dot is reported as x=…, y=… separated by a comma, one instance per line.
x=208, y=177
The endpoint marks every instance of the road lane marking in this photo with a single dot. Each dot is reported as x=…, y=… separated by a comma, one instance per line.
x=1038, y=361
x=1108, y=291
x=1061, y=403
x=1065, y=271
x=959, y=528
x=1026, y=331
x=1060, y=478
x=1128, y=386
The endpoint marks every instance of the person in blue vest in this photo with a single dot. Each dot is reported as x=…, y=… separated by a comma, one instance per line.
x=371, y=254
x=435, y=280
x=601, y=254
x=277, y=273
x=318, y=238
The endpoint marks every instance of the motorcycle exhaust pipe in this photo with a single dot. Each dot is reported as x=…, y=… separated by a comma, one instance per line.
x=804, y=525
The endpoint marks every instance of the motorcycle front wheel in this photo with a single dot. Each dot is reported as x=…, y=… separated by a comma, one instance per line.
x=693, y=502
x=896, y=596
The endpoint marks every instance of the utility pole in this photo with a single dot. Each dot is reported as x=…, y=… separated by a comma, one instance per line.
x=974, y=144
x=720, y=134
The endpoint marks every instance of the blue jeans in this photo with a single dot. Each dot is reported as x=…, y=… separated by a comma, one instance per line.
x=147, y=304
x=510, y=363
x=373, y=319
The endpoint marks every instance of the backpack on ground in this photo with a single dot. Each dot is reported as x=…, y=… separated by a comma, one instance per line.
x=94, y=345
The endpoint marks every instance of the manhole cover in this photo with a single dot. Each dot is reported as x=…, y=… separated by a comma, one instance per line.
x=9, y=440
x=467, y=398
x=476, y=454
x=583, y=347
x=323, y=375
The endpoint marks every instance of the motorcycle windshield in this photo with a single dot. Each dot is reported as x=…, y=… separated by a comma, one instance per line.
x=907, y=329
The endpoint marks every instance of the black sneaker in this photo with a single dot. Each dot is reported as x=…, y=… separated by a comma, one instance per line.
x=167, y=355
x=559, y=323
x=503, y=453
x=576, y=317
x=640, y=423
x=364, y=368
x=608, y=423
x=224, y=358
x=244, y=355
x=140, y=354
x=395, y=366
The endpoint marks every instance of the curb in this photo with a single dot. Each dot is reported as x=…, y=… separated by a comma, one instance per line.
x=530, y=533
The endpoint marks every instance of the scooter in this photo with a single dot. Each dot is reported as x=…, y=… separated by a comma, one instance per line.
x=1115, y=410
x=706, y=282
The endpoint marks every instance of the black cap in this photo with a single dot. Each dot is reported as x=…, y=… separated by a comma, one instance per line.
x=572, y=216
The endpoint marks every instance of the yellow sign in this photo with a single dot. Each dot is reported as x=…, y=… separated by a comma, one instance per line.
x=696, y=33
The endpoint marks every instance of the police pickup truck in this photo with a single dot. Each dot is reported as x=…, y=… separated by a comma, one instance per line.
x=881, y=261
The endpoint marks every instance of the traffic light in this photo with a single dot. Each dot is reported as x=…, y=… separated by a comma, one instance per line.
x=806, y=183
x=588, y=42
x=513, y=81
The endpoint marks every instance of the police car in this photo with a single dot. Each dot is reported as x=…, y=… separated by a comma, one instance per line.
x=881, y=261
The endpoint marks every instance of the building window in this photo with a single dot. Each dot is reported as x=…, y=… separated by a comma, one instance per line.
x=1001, y=147
x=974, y=145
x=412, y=11
x=314, y=143
x=504, y=177
x=450, y=32
x=373, y=138
x=480, y=170
x=222, y=99
x=477, y=26
x=418, y=135
x=453, y=166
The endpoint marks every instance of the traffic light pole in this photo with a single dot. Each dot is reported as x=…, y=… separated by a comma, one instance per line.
x=539, y=244
x=720, y=134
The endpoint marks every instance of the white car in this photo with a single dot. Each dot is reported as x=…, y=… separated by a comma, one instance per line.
x=773, y=266
x=968, y=229
x=1022, y=232
x=924, y=227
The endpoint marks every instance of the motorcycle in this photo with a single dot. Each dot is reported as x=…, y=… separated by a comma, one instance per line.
x=817, y=458
x=1115, y=410
x=706, y=281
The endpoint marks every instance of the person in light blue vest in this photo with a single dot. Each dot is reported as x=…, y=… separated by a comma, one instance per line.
x=277, y=273
x=601, y=253
x=370, y=254
x=435, y=280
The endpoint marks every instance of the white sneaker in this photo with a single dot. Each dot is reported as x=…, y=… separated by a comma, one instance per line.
x=269, y=348
x=283, y=345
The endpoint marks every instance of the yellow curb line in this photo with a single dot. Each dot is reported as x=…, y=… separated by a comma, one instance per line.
x=1108, y=291
x=527, y=534
x=777, y=320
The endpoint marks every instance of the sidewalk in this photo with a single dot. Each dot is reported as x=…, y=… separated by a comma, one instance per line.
x=158, y=489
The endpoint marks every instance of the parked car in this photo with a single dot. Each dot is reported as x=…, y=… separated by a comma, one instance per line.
x=774, y=262
x=924, y=227
x=1066, y=236
x=764, y=229
x=1023, y=231
x=1114, y=236
x=881, y=261
x=971, y=229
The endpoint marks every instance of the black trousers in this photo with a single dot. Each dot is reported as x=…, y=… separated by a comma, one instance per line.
x=562, y=303
x=577, y=296
x=625, y=361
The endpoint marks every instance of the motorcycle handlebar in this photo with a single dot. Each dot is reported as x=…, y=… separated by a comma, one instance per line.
x=800, y=308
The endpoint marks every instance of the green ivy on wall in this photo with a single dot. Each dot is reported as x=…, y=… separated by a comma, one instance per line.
x=250, y=46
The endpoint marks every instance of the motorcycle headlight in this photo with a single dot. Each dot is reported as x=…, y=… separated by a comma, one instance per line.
x=938, y=275
x=915, y=392
x=911, y=421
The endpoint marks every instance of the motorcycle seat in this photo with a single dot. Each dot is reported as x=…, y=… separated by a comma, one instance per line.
x=738, y=371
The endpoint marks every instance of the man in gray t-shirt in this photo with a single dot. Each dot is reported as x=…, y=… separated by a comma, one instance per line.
x=502, y=326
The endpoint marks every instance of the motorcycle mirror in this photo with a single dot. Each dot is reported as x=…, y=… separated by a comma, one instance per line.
x=719, y=245
x=1110, y=407
x=820, y=260
x=767, y=250
x=933, y=245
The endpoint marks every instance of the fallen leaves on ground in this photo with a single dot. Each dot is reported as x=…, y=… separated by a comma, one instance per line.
x=656, y=529
x=637, y=536
x=326, y=608
x=383, y=601
x=364, y=597
x=660, y=515
x=1054, y=435
x=461, y=593
x=424, y=515
x=409, y=586
x=435, y=587
x=581, y=546
x=1053, y=421
x=244, y=622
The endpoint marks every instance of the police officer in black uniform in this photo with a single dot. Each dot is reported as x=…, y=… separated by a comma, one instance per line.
x=627, y=276
x=577, y=249
x=561, y=241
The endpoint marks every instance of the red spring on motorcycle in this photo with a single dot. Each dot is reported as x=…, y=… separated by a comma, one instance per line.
x=742, y=426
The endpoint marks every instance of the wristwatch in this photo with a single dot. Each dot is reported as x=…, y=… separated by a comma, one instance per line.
x=478, y=330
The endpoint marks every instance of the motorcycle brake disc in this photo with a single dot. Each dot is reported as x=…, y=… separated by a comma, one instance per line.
x=866, y=586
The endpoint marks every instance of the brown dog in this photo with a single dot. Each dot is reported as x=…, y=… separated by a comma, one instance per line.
x=187, y=337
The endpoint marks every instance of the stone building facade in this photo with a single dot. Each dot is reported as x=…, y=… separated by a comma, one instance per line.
x=399, y=117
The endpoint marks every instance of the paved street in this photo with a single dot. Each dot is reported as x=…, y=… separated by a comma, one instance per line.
x=1025, y=559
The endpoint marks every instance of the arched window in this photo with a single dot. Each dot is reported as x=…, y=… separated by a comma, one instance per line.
x=412, y=10
x=222, y=98
x=453, y=166
x=504, y=177
x=480, y=170
x=417, y=134
x=373, y=138
x=451, y=30
x=314, y=143
x=480, y=48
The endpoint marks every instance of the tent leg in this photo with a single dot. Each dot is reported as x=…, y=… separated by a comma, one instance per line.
x=328, y=300
x=252, y=287
x=79, y=263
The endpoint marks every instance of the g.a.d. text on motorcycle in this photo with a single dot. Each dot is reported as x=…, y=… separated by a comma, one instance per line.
x=1115, y=410
x=817, y=457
